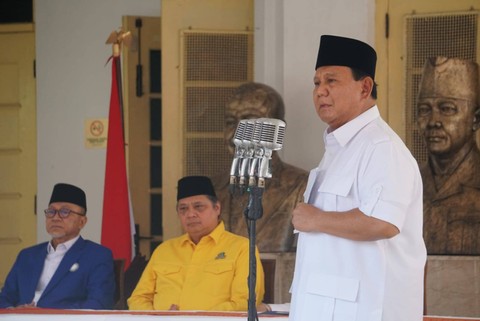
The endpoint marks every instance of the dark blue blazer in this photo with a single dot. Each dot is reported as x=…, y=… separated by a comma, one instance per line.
x=83, y=280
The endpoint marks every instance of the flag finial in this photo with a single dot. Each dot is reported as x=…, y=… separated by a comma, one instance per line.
x=116, y=38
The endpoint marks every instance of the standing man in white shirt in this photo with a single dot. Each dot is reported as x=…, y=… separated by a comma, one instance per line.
x=360, y=253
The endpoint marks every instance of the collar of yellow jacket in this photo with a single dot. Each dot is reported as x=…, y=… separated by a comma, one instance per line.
x=214, y=235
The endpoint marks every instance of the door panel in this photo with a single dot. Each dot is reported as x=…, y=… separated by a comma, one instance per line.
x=143, y=97
x=17, y=143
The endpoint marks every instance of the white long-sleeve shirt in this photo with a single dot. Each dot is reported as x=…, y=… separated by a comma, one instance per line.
x=366, y=166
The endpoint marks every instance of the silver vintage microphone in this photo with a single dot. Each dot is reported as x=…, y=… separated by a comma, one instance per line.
x=258, y=152
x=271, y=139
x=248, y=154
x=239, y=154
x=255, y=140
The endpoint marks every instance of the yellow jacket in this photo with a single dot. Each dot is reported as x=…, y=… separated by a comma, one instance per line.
x=211, y=275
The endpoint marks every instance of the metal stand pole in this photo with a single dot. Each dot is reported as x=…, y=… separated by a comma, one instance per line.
x=253, y=211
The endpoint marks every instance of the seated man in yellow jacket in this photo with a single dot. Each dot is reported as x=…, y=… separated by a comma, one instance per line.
x=206, y=268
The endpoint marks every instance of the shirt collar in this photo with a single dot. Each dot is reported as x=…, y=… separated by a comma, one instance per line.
x=346, y=132
x=65, y=246
x=214, y=235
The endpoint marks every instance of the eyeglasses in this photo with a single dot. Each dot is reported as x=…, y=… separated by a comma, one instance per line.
x=63, y=212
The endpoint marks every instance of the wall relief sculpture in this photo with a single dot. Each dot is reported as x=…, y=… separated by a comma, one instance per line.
x=447, y=118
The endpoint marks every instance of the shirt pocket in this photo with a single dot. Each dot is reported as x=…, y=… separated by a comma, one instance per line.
x=167, y=269
x=167, y=275
x=218, y=278
x=336, y=193
x=337, y=296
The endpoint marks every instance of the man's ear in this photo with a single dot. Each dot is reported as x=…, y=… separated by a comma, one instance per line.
x=84, y=221
x=218, y=207
x=367, y=87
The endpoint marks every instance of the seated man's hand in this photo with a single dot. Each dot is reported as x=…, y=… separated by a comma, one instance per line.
x=263, y=307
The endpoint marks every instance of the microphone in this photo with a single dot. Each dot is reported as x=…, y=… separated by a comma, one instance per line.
x=271, y=139
x=248, y=154
x=239, y=153
x=257, y=154
x=273, y=133
x=255, y=140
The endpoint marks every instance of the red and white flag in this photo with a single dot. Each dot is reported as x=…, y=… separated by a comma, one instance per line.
x=117, y=221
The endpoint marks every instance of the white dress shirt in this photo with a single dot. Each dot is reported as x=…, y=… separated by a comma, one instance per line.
x=52, y=261
x=366, y=166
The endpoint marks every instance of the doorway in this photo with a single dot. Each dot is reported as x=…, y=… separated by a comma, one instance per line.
x=18, y=151
x=143, y=123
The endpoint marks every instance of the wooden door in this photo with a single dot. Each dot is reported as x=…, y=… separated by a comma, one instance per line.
x=143, y=107
x=18, y=179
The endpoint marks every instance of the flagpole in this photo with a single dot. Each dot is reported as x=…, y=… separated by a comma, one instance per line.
x=116, y=59
x=117, y=217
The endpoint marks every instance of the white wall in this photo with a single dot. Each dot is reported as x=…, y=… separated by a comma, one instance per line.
x=73, y=84
x=287, y=36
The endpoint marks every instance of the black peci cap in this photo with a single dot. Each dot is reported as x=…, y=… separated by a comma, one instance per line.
x=341, y=51
x=70, y=194
x=195, y=185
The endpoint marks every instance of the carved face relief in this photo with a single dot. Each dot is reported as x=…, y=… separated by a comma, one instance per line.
x=447, y=103
x=446, y=124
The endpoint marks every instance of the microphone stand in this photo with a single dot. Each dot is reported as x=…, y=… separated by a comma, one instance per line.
x=259, y=138
x=253, y=211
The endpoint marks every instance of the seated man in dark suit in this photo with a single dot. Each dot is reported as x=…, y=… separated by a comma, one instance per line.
x=68, y=272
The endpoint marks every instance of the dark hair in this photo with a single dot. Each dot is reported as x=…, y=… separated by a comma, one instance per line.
x=359, y=75
x=212, y=199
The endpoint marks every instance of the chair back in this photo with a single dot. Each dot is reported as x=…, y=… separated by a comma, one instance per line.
x=269, y=266
x=119, y=297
